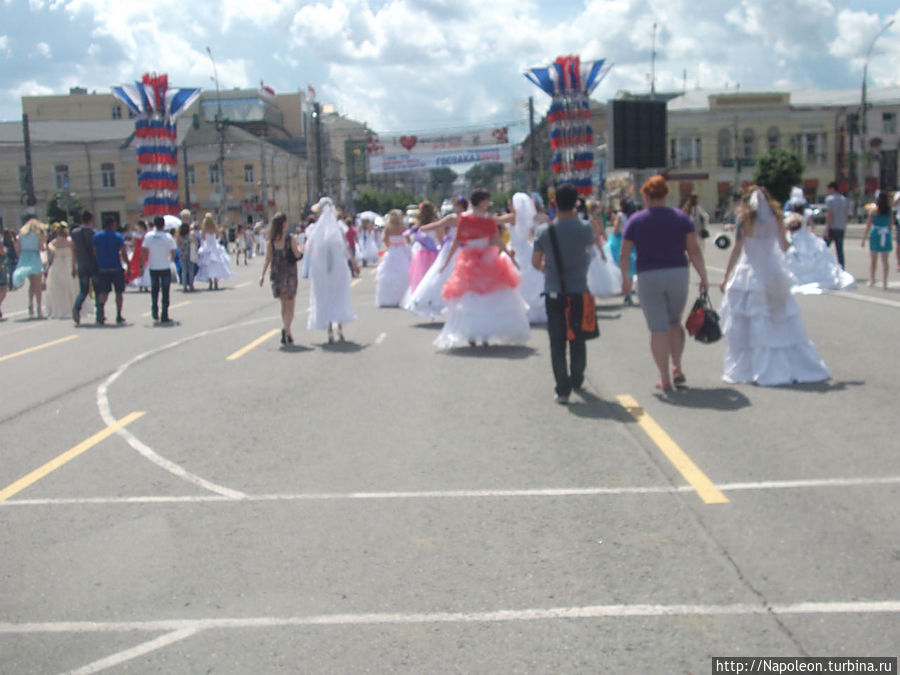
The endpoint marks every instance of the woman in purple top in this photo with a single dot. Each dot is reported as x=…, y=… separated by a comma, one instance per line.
x=664, y=240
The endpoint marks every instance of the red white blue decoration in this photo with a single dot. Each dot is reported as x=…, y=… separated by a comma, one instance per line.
x=157, y=108
x=569, y=82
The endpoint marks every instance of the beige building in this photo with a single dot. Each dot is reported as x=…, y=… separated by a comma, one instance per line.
x=715, y=139
x=83, y=144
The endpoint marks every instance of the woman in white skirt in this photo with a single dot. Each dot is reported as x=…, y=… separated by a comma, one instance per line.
x=765, y=339
x=392, y=275
x=214, y=261
x=329, y=274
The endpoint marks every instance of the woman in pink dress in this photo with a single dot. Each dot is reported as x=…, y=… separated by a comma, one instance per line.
x=425, y=248
x=483, y=304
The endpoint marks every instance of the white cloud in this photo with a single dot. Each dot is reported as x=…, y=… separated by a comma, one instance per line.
x=418, y=64
x=44, y=50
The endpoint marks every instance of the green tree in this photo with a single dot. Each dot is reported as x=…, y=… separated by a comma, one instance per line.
x=442, y=183
x=64, y=206
x=778, y=171
x=483, y=175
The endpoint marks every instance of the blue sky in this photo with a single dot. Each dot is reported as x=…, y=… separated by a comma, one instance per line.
x=415, y=65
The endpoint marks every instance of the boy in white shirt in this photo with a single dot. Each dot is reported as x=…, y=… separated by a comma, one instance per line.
x=159, y=253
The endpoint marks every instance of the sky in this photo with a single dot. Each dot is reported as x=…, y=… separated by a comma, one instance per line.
x=427, y=65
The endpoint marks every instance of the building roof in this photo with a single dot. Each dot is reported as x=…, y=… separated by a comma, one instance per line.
x=698, y=99
x=78, y=132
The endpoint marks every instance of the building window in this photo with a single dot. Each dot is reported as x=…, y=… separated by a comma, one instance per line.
x=190, y=175
x=749, y=144
x=61, y=175
x=213, y=174
x=889, y=123
x=772, y=137
x=726, y=156
x=117, y=112
x=685, y=151
x=810, y=146
x=108, y=174
x=248, y=174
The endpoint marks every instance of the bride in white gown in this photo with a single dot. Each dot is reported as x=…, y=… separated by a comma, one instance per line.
x=765, y=339
x=521, y=234
x=811, y=262
x=329, y=272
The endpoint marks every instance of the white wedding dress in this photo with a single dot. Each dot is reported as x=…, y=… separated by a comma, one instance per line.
x=392, y=275
x=329, y=272
x=520, y=235
x=814, y=267
x=765, y=339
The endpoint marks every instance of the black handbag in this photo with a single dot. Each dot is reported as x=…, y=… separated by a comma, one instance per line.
x=702, y=322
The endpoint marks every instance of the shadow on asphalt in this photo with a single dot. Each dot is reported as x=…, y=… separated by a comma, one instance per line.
x=494, y=352
x=720, y=398
x=295, y=348
x=430, y=325
x=348, y=347
x=594, y=407
x=824, y=387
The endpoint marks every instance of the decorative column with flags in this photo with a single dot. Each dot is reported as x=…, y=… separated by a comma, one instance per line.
x=156, y=108
x=570, y=81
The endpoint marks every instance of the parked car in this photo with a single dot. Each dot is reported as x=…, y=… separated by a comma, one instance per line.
x=818, y=213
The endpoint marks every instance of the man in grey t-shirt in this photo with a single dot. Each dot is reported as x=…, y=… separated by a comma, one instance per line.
x=574, y=240
x=836, y=216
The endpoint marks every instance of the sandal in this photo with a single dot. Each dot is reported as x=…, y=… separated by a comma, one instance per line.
x=678, y=377
x=664, y=389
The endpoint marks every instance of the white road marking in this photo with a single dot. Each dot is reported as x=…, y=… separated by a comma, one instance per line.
x=380, y=338
x=135, y=652
x=178, y=626
x=459, y=494
x=146, y=450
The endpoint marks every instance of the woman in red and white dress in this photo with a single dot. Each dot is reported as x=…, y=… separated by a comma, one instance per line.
x=483, y=304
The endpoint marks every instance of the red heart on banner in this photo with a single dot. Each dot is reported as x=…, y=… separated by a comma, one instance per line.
x=409, y=142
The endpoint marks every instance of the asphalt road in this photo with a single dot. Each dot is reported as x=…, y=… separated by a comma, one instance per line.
x=380, y=507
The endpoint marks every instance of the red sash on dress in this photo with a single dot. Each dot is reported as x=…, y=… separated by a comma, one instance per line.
x=473, y=227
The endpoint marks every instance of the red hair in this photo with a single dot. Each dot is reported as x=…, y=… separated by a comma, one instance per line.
x=655, y=188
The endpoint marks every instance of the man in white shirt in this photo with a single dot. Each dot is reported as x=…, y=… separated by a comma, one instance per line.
x=159, y=252
x=837, y=213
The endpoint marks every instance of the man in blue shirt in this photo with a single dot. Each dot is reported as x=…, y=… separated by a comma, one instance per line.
x=111, y=255
x=564, y=279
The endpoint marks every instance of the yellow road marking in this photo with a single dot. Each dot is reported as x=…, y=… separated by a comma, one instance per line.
x=66, y=457
x=356, y=281
x=708, y=492
x=180, y=304
x=256, y=343
x=34, y=349
x=246, y=283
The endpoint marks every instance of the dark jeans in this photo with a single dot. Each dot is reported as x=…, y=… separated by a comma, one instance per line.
x=187, y=270
x=837, y=236
x=160, y=279
x=84, y=287
x=567, y=377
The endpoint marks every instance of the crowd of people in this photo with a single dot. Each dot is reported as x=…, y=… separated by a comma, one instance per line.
x=488, y=276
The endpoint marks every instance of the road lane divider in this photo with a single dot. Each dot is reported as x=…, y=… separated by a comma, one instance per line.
x=704, y=487
x=253, y=345
x=180, y=304
x=355, y=281
x=67, y=456
x=37, y=347
x=246, y=283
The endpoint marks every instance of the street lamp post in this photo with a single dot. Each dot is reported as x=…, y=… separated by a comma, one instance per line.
x=220, y=129
x=863, y=126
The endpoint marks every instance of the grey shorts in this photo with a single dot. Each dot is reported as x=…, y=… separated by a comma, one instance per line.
x=663, y=295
